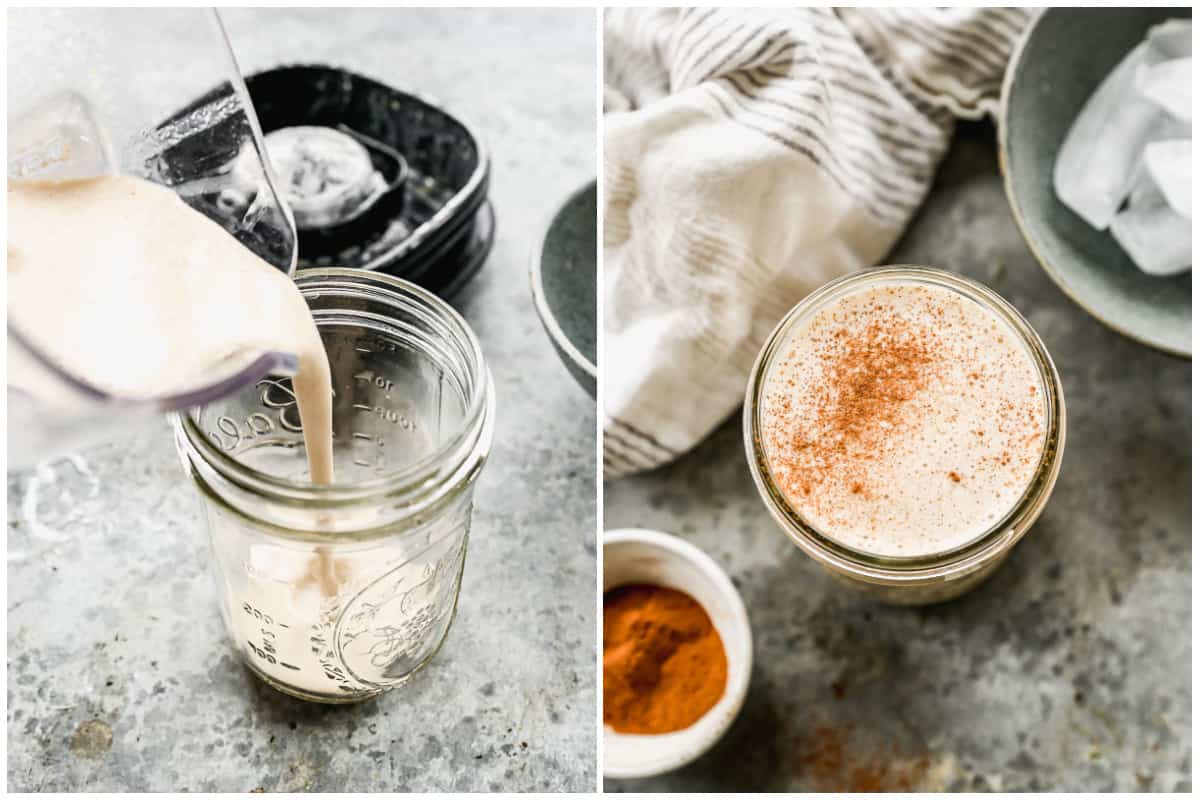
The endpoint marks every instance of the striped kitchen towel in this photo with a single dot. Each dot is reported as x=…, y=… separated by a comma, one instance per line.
x=751, y=156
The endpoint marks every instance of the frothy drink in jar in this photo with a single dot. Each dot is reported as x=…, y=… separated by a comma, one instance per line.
x=902, y=420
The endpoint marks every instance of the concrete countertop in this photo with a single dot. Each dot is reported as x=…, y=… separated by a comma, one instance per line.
x=1069, y=669
x=119, y=674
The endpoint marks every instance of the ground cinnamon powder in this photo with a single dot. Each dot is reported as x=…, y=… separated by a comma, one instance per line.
x=664, y=664
x=830, y=758
x=871, y=373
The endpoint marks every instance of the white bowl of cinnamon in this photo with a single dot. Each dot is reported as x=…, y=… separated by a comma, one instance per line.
x=677, y=653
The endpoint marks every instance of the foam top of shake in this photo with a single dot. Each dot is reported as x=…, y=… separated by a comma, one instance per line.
x=903, y=419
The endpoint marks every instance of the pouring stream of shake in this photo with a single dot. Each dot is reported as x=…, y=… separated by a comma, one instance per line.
x=128, y=288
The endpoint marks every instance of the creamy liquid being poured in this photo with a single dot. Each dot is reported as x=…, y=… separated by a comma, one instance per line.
x=128, y=288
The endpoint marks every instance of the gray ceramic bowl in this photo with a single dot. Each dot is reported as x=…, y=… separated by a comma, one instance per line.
x=563, y=274
x=1062, y=58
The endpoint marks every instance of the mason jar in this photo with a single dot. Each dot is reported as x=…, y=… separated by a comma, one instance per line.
x=923, y=577
x=335, y=593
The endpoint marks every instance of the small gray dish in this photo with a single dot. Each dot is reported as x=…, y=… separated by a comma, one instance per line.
x=1062, y=58
x=563, y=274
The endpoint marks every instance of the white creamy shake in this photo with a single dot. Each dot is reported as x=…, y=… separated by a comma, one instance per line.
x=127, y=287
x=903, y=420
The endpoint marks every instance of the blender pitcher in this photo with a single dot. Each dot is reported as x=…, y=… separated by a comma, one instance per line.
x=154, y=93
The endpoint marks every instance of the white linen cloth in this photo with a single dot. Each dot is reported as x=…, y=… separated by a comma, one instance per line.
x=751, y=156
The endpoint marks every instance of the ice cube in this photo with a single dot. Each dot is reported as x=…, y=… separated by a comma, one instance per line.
x=1100, y=154
x=1156, y=237
x=1169, y=164
x=1169, y=40
x=1143, y=189
x=1169, y=84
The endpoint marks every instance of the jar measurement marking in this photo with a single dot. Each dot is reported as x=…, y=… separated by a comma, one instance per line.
x=266, y=656
x=369, y=377
x=266, y=651
x=387, y=414
x=378, y=441
x=378, y=348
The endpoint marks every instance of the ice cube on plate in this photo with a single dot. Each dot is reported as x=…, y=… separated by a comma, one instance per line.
x=1098, y=158
x=1169, y=165
x=1152, y=233
x=1169, y=84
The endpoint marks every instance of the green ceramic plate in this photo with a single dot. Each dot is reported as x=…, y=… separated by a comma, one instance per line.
x=564, y=284
x=1058, y=64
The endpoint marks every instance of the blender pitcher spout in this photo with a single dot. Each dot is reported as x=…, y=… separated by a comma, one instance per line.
x=155, y=94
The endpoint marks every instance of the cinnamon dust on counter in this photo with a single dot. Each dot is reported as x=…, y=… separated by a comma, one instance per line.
x=664, y=663
x=827, y=761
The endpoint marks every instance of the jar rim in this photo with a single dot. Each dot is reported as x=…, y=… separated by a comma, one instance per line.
x=442, y=467
x=919, y=568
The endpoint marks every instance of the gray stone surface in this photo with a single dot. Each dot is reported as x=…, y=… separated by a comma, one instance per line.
x=119, y=674
x=1069, y=669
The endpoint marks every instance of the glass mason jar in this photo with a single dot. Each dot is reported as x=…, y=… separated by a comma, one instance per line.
x=919, y=579
x=335, y=593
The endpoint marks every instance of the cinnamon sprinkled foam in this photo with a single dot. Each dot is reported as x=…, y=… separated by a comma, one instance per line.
x=903, y=420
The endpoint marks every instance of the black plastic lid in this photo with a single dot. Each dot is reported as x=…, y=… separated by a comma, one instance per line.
x=434, y=227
